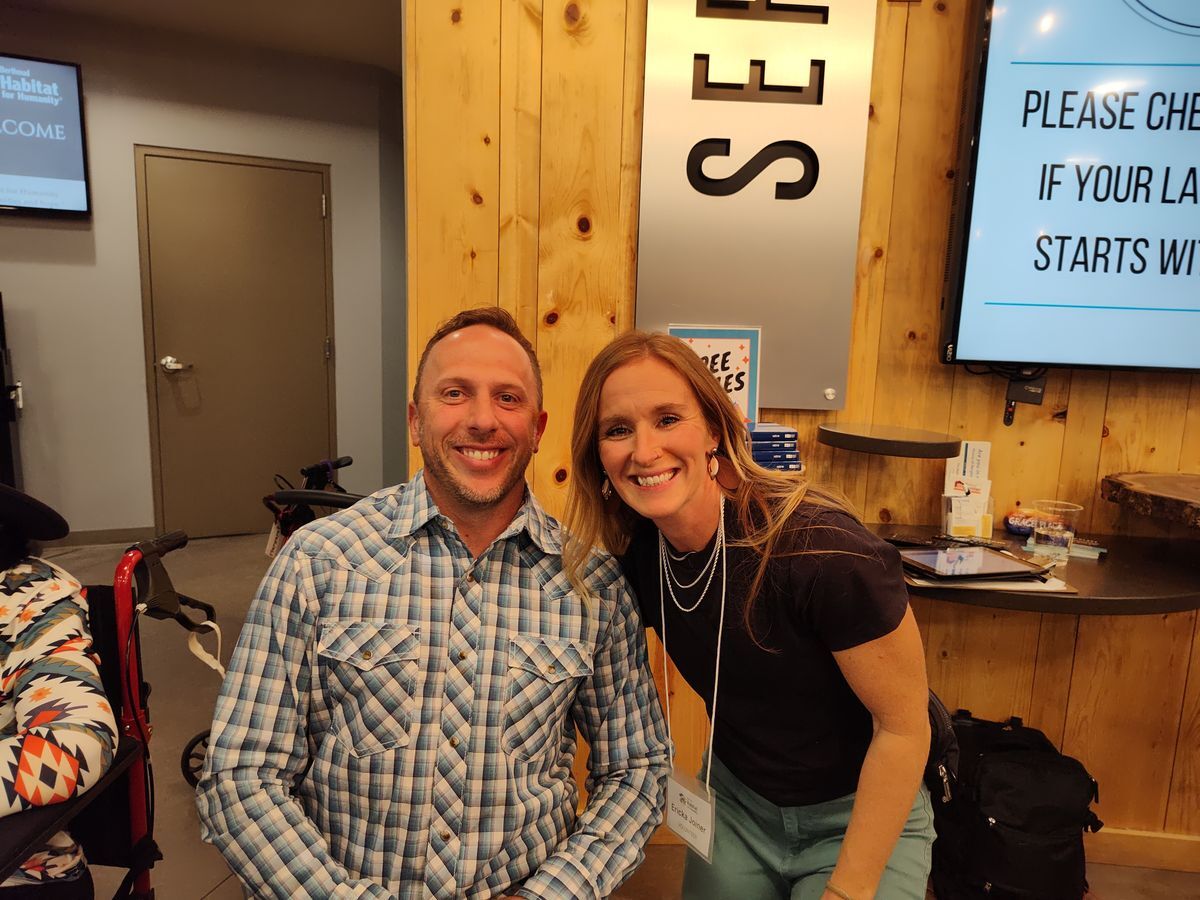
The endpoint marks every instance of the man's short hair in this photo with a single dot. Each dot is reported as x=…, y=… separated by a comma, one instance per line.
x=494, y=317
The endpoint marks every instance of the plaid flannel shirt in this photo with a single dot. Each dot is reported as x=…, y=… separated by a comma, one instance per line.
x=330, y=746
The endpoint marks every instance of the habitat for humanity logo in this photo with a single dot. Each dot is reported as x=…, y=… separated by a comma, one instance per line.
x=18, y=84
x=1182, y=16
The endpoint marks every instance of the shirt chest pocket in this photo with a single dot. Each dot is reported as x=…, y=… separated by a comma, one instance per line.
x=543, y=677
x=369, y=673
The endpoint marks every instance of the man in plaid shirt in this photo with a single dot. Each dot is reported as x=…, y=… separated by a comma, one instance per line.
x=399, y=714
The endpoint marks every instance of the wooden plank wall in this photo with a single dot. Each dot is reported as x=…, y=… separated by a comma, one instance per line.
x=523, y=126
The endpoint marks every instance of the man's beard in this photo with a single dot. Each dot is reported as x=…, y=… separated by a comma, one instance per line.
x=434, y=460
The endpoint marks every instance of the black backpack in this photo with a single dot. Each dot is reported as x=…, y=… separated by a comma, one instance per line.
x=1014, y=826
x=941, y=769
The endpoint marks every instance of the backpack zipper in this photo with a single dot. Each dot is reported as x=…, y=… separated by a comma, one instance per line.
x=945, y=776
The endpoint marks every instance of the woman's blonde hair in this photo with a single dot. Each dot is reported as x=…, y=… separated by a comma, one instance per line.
x=763, y=500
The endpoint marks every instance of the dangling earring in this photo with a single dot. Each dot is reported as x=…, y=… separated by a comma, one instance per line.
x=606, y=489
x=714, y=465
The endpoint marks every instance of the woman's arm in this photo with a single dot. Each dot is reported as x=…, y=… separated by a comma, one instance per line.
x=888, y=676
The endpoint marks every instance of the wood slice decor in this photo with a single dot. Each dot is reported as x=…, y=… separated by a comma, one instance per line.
x=1174, y=496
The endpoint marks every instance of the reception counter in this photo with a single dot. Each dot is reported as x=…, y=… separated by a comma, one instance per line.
x=1111, y=674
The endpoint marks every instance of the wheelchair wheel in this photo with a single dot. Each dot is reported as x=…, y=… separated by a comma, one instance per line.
x=191, y=762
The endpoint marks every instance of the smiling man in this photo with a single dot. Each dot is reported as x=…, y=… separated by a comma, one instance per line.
x=399, y=715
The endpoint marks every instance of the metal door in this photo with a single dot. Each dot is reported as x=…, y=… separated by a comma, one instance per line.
x=236, y=294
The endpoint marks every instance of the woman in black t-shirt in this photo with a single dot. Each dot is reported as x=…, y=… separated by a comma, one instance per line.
x=788, y=617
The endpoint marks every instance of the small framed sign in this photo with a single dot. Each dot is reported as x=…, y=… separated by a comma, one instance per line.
x=731, y=354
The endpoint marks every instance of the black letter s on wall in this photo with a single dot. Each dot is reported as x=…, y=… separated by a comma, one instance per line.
x=753, y=167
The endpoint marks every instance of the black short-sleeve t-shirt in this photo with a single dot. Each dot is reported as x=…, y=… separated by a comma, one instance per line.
x=788, y=725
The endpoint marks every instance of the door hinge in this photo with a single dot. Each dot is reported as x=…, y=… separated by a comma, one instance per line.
x=329, y=348
x=324, y=207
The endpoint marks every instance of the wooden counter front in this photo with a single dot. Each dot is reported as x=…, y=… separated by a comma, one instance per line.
x=1118, y=687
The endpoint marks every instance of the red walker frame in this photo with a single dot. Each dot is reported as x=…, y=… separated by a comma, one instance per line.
x=134, y=722
x=142, y=563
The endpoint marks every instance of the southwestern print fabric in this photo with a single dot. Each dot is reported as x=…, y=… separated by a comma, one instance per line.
x=57, y=733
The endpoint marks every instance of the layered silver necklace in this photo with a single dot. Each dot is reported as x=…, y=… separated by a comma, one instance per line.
x=707, y=572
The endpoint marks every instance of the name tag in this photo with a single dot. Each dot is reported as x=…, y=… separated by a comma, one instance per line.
x=690, y=812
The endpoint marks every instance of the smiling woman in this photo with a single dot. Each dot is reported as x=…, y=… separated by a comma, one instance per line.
x=821, y=720
x=655, y=448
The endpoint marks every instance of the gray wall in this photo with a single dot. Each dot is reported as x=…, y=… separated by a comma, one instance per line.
x=395, y=275
x=72, y=292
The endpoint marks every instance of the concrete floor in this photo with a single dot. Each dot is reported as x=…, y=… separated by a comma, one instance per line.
x=225, y=572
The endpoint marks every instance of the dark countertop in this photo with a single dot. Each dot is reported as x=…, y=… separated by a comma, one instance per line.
x=1138, y=576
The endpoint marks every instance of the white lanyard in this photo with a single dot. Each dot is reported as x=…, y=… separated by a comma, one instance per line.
x=662, y=611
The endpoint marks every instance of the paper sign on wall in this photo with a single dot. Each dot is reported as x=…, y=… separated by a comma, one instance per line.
x=731, y=354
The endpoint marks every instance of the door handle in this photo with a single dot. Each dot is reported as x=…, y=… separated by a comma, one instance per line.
x=171, y=365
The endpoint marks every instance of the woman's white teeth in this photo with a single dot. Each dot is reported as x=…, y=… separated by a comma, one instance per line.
x=651, y=480
x=480, y=454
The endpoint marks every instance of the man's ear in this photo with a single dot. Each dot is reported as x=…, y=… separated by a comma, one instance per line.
x=541, y=429
x=414, y=425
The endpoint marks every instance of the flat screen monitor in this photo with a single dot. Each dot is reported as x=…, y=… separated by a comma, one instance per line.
x=43, y=151
x=1075, y=233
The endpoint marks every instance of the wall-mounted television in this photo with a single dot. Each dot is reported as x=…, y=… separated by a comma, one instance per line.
x=43, y=150
x=1075, y=232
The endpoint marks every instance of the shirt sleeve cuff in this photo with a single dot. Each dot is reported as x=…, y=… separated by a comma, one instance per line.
x=560, y=885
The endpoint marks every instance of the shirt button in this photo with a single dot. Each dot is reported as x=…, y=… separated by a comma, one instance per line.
x=445, y=835
x=471, y=577
x=367, y=654
x=462, y=654
x=453, y=742
x=551, y=669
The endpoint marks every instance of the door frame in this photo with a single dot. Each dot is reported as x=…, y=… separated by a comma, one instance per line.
x=141, y=153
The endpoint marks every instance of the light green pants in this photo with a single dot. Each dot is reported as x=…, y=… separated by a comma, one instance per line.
x=766, y=852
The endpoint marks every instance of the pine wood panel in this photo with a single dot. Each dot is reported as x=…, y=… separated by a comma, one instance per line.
x=912, y=388
x=582, y=276
x=1127, y=690
x=1183, y=806
x=1052, y=675
x=1084, y=433
x=982, y=659
x=1153, y=850
x=520, y=159
x=1189, y=456
x=1025, y=455
x=457, y=192
x=631, y=155
x=577, y=220
x=453, y=186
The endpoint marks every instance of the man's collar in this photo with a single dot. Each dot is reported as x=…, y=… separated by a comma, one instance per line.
x=417, y=508
x=542, y=529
